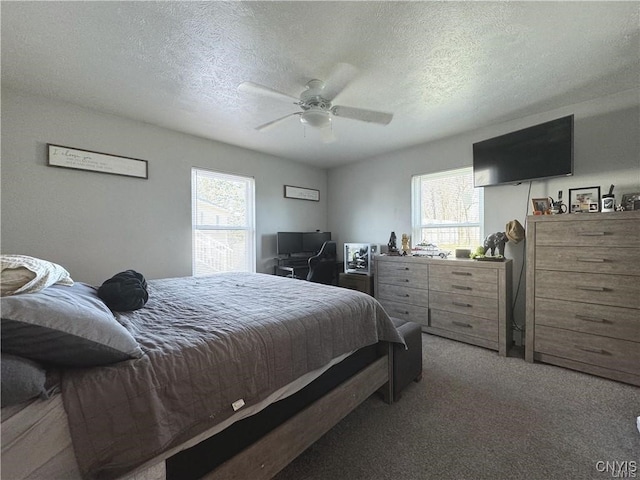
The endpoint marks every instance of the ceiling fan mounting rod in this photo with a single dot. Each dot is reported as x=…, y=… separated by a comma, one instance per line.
x=312, y=96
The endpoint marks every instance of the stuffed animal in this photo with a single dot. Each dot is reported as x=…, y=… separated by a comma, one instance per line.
x=495, y=240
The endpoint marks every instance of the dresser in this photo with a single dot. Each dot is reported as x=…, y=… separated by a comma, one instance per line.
x=461, y=299
x=583, y=293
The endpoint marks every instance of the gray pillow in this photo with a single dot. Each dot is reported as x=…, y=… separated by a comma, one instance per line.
x=64, y=325
x=22, y=380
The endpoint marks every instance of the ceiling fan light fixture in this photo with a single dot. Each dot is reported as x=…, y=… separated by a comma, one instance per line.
x=316, y=118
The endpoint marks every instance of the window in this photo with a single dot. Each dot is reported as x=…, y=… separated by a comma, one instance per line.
x=223, y=223
x=446, y=210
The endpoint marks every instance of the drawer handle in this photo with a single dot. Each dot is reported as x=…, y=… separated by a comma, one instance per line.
x=592, y=234
x=589, y=288
x=405, y=295
x=465, y=274
x=460, y=304
x=586, y=318
x=402, y=312
x=599, y=351
x=404, y=269
x=461, y=287
x=462, y=324
x=591, y=260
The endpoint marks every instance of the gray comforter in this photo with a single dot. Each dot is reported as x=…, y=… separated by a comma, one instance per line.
x=208, y=342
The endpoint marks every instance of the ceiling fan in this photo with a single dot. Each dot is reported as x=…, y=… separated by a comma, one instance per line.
x=317, y=111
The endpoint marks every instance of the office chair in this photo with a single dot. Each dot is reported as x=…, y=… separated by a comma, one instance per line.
x=322, y=267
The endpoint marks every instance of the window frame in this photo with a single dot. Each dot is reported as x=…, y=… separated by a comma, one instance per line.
x=250, y=203
x=416, y=204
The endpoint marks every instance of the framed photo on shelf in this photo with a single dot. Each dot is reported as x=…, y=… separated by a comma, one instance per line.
x=540, y=206
x=631, y=201
x=584, y=200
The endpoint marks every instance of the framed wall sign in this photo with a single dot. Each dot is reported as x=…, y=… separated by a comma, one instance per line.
x=584, y=200
x=59, y=156
x=301, y=193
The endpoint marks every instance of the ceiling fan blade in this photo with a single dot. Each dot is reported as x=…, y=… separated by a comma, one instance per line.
x=339, y=78
x=363, y=115
x=257, y=89
x=272, y=123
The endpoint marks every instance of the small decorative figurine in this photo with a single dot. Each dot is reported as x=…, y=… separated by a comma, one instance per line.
x=393, y=248
x=495, y=240
x=406, y=248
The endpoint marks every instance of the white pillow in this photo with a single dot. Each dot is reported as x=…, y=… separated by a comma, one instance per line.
x=23, y=274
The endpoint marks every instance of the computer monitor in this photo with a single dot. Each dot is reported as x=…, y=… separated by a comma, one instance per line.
x=289, y=243
x=312, y=241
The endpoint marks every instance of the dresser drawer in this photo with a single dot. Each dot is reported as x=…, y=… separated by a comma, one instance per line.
x=474, y=326
x=615, y=290
x=403, y=294
x=606, y=352
x=465, y=305
x=621, y=261
x=402, y=273
x=615, y=322
x=577, y=233
x=406, y=311
x=465, y=280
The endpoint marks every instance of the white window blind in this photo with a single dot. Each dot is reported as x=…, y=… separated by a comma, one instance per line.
x=447, y=210
x=223, y=222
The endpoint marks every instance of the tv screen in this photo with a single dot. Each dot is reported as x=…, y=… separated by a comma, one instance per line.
x=533, y=153
x=289, y=242
x=313, y=241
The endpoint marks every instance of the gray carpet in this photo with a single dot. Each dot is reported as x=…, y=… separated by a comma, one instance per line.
x=476, y=415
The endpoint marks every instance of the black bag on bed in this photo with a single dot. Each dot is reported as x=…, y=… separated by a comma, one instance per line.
x=125, y=291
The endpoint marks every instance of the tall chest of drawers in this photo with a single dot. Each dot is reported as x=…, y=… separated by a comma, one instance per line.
x=463, y=300
x=583, y=293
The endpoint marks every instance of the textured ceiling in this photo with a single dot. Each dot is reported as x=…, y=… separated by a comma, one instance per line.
x=440, y=67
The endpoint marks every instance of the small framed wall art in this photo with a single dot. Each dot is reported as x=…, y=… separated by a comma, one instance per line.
x=59, y=156
x=301, y=193
x=584, y=200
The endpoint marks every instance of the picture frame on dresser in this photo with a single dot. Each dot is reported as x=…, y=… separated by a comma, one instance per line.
x=584, y=200
x=631, y=201
x=541, y=205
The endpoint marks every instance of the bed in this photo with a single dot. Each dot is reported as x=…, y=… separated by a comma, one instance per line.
x=220, y=357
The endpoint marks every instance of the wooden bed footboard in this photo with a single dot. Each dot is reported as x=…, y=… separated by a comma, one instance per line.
x=266, y=457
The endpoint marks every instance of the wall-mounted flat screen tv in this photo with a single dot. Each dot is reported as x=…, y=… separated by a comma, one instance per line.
x=534, y=153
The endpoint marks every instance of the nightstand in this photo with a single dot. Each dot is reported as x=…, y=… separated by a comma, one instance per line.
x=356, y=281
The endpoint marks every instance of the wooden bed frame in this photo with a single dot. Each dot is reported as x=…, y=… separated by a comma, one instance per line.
x=274, y=451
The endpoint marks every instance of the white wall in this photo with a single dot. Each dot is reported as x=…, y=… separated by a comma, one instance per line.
x=370, y=199
x=96, y=225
